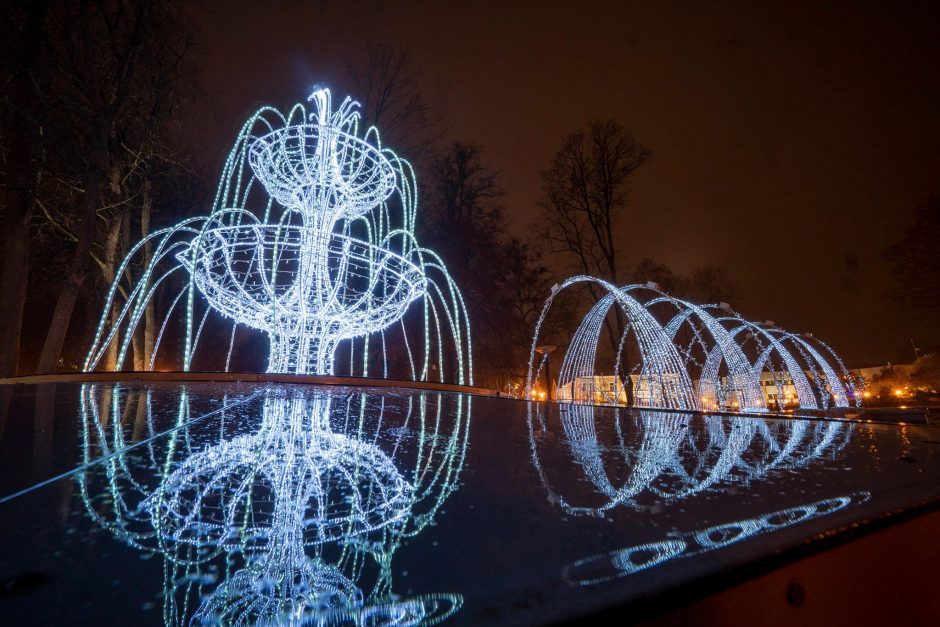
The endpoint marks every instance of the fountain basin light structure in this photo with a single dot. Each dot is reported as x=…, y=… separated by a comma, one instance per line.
x=669, y=353
x=311, y=241
x=286, y=508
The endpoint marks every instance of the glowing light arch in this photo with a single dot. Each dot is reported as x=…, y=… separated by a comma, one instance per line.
x=826, y=381
x=805, y=395
x=687, y=375
x=852, y=382
x=662, y=370
x=742, y=385
x=814, y=391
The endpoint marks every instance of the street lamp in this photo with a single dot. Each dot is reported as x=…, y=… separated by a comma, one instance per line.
x=546, y=349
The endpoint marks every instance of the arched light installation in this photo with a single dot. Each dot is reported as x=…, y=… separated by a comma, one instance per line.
x=661, y=379
x=740, y=387
x=294, y=519
x=674, y=354
x=310, y=240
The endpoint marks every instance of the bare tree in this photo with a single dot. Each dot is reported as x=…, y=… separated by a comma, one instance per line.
x=387, y=85
x=463, y=222
x=502, y=279
x=649, y=270
x=464, y=211
x=584, y=194
x=23, y=42
x=925, y=375
x=710, y=285
x=586, y=191
x=117, y=77
x=521, y=290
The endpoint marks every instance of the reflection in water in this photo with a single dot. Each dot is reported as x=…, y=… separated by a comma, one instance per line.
x=299, y=519
x=651, y=456
x=633, y=559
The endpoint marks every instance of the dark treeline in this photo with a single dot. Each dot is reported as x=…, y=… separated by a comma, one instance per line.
x=92, y=160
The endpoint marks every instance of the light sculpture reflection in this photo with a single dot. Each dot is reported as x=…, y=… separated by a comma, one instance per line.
x=689, y=357
x=302, y=512
x=648, y=457
x=311, y=240
x=599, y=569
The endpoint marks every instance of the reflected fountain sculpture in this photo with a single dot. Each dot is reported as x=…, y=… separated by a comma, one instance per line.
x=670, y=456
x=300, y=516
x=311, y=240
x=690, y=357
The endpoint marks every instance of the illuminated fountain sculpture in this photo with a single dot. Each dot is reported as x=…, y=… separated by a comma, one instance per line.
x=301, y=518
x=320, y=253
x=690, y=357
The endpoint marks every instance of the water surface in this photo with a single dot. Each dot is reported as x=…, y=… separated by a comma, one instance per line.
x=165, y=503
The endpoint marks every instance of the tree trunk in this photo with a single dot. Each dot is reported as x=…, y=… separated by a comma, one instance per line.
x=150, y=333
x=137, y=345
x=150, y=314
x=65, y=305
x=13, y=283
x=110, y=358
x=23, y=139
x=108, y=269
x=58, y=326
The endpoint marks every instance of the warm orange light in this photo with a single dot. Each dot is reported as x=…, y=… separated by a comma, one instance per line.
x=866, y=394
x=899, y=392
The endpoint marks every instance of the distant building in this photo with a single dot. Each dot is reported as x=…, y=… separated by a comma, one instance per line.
x=608, y=390
x=778, y=396
x=648, y=390
x=596, y=390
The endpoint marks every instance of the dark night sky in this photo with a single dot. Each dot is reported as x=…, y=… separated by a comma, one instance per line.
x=786, y=138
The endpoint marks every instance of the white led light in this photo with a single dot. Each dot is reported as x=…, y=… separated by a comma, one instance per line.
x=316, y=497
x=710, y=371
x=671, y=456
x=606, y=567
x=322, y=252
